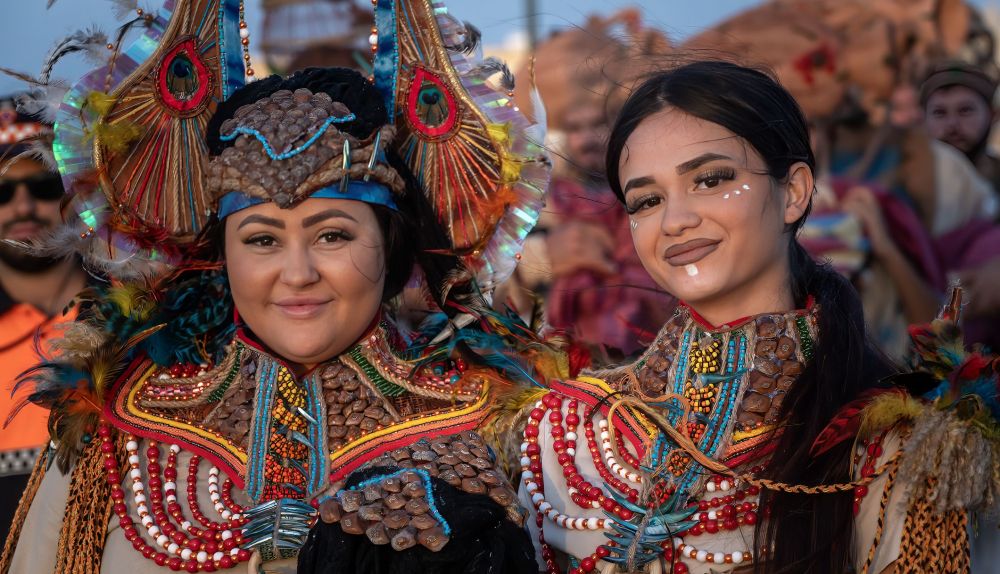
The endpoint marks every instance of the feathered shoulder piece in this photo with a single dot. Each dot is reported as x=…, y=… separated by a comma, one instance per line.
x=946, y=412
x=185, y=319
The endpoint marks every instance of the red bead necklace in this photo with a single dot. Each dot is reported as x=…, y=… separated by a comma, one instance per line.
x=180, y=546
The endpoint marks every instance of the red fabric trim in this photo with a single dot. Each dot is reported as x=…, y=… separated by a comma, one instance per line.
x=117, y=413
x=342, y=466
x=751, y=455
x=625, y=422
x=810, y=303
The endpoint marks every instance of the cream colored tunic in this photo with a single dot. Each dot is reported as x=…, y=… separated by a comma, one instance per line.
x=36, y=549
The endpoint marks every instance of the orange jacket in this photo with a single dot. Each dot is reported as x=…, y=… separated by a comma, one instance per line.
x=19, y=323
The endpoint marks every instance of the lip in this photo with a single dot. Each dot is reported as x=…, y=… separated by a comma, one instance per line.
x=301, y=307
x=690, y=251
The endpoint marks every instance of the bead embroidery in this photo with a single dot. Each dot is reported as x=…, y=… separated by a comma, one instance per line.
x=724, y=374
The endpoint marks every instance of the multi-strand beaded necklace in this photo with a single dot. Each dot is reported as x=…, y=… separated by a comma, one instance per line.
x=733, y=380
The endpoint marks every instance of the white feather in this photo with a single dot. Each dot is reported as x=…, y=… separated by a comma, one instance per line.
x=41, y=150
x=538, y=131
x=44, y=102
x=124, y=9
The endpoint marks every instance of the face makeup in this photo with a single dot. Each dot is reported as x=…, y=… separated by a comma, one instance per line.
x=745, y=187
x=691, y=269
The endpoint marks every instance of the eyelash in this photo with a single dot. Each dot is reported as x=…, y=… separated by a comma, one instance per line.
x=717, y=175
x=643, y=202
x=337, y=236
x=268, y=240
x=259, y=240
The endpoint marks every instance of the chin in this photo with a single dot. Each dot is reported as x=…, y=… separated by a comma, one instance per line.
x=305, y=354
x=692, y=289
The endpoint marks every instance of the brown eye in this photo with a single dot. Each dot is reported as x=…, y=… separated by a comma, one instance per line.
x=260, y=241
x=334, y=236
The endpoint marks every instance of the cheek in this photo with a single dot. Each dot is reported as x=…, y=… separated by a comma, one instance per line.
x=49, y=211
x=356, y=272
x=977, y=124
x=646, y=237
x=247, y=281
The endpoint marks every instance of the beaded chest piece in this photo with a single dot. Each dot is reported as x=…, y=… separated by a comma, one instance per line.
x=734, y=380
x=280, y=438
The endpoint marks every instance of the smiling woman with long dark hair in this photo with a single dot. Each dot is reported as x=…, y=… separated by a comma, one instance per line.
x=726, y=446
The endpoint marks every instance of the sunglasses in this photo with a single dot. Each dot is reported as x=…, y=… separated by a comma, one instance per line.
x=45, y=187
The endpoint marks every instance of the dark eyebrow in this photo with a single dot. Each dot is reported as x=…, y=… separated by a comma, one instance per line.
x=314, y=219
x=638, y=182
x=261, y=219
x=698, y=162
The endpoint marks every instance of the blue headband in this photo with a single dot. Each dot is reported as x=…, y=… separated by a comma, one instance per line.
x=366, y=191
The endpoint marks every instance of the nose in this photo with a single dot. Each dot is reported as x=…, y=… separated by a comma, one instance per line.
x=679, y=216
x=953, y=122
x=23, y=202
x=298, y=269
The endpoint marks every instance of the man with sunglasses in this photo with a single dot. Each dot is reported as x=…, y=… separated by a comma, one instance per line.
x=33, y=294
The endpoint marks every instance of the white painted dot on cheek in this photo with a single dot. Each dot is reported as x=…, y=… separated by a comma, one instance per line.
x=737, y=192
x=691, y=269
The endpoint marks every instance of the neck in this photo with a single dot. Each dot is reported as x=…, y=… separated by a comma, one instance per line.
x=767, y=294
x=49, y=290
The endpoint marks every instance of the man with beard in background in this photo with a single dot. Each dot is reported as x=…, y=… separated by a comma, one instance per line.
x=33, y=294
x=600, y=292
x=958, y=103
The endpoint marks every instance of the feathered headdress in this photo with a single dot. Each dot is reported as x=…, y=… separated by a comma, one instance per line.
x=130, y=142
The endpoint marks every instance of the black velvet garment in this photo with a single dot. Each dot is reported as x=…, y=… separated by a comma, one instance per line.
x=483, y=541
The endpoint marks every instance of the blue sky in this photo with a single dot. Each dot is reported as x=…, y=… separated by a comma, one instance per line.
x=27, y=30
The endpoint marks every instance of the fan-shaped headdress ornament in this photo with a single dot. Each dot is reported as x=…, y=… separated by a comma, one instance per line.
x=130, y=139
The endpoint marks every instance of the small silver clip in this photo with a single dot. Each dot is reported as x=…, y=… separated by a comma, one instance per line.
x=345, y=179
x=375, y=150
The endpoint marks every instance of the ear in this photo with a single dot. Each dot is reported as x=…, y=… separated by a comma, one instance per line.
x=799, y=191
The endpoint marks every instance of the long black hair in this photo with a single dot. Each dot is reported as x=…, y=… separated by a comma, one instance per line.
x=805, y=533
x=412, y=234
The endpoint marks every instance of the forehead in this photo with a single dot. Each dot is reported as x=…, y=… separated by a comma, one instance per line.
x=358, y=210
x=21, y=168
x=671, y=136
x=955, y=95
